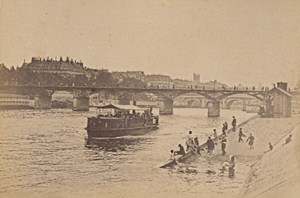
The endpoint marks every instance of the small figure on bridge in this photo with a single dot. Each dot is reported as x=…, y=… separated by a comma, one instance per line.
x=233, y=123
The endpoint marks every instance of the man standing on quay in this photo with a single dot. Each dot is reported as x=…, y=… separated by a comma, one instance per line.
x=233, y=123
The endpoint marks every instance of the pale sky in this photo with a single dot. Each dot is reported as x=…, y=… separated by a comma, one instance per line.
x=232, y=41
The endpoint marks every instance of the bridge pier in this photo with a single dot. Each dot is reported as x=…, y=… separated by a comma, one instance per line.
x=166, y=107
x=214, y=109
x=244, y=105
x=42, y=101
x=81, y=103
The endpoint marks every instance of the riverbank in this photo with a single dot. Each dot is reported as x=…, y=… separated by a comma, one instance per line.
x=264, y=130
x=277, y=174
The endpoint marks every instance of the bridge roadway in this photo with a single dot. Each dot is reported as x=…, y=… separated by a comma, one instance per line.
x=42, y=95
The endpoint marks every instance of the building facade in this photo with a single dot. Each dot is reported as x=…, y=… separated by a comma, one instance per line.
x=282, y=101
x=68, y=66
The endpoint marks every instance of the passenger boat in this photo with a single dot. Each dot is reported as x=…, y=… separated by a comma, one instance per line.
x=121, y=120
x=15, y=101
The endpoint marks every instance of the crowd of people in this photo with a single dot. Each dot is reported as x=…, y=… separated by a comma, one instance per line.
x=193, y=146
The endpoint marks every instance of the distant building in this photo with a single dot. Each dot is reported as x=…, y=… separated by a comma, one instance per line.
x=214, y=85
x=281, y=101
x=180, y=83
x=55, y=66
x=129, y=74
x=196, y=78
x=161, y=81
x=94, y=73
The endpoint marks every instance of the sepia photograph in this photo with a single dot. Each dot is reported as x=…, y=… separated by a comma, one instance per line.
x=149, y=98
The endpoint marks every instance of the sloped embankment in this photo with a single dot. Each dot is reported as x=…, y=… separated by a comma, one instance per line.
x=277, y=174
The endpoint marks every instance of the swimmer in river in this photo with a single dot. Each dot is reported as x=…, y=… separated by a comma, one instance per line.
x=231, y=166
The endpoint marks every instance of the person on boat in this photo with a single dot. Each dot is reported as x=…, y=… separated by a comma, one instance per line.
x=233, y=123
x=215, y=133
x=197, y=145
x=180, y=151
x=196, y=141
x=251, y=141
x=210, y=145
x=241, y=135
x=189, y=141
x=231, y=166
x=172, y=155
x=189, y=136
x=223, y=145
x=191, y=146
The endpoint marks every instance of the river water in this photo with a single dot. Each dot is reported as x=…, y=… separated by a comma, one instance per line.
x=46, y=152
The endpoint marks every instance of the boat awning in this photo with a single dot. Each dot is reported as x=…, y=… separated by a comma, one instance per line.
x=124, y=107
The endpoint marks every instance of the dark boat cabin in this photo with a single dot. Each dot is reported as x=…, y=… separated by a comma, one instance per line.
x=121, y=116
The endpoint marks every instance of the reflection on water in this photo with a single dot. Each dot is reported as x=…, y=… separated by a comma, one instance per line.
x=114, y=144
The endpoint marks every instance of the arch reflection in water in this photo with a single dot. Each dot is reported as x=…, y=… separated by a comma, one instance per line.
x=117, y=143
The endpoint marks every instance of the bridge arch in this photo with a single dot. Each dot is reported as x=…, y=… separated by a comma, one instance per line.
x=259, y=97
x=229, y=103
x=246, y=99
x=194, y=103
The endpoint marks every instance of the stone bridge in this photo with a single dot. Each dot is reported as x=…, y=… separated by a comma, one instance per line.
x=244, y=99
x=197, y=101
x=42, y=95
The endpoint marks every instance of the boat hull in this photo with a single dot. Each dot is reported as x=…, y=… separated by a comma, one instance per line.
x=188, y=157
x=119, y=131
x=15, y=107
